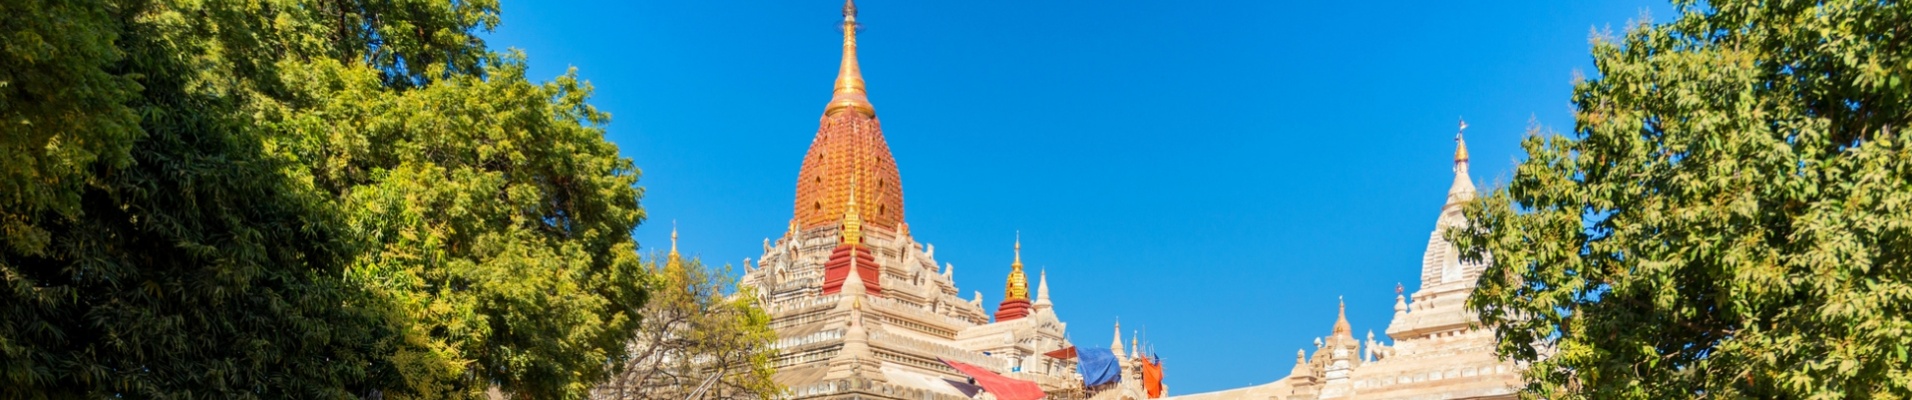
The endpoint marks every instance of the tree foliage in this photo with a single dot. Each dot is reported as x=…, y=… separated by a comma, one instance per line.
x=270, y=199
x=1731, y=216
x=692, y=331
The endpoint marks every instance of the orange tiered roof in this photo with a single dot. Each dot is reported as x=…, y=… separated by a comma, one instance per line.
x=849, y=146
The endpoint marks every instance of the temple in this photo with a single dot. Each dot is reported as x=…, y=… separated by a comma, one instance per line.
x=1435, y=353
x=863, y=310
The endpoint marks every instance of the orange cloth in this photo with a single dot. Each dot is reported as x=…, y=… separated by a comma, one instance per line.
x=1152, y=377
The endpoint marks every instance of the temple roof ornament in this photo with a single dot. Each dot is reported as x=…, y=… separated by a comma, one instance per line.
x=849, y=93
x=1341, y=321
x=1042, y=290
x=1463, y=188
x=1018, y=286
x=852, y=223
x=673, y=239
x=1460, y=149
x=1015, y=303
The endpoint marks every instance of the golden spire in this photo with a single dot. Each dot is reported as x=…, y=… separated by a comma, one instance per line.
x=1018, y=263
x=849, y=93
x=1463, y=189
x=673, y=239
x=852, y=223
x=1460, y=148
x=1018, y=285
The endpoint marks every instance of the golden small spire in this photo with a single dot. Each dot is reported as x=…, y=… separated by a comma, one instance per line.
x=673, y=239
x=1018, y=286
x=850, y=93
x=852, y=223
x=1460, y=148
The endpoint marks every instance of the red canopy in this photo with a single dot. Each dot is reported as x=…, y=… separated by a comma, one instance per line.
x=1062, y=354
x=1005, y=388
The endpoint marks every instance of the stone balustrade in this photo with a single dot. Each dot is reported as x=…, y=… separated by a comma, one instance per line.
x=829, y=300
x=1450, y=372
x=850, y=387
x=906, y=309
x=830, y=336
x=938, y=349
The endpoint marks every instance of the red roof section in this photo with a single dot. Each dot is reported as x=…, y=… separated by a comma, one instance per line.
x=842, y=260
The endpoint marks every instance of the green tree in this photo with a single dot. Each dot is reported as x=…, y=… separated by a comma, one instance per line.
x=153, y=247
x=693, y=331
x=498, y=217
x=270, y=199
x=1731, y=216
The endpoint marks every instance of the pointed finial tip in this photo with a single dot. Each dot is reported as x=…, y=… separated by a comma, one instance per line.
x=1460, y=143
x=1018, y=247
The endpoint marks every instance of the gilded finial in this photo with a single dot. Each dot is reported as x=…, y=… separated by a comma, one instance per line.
x=850, y=93
x=673, y=238
x=1460, y=148
x=1018, y=248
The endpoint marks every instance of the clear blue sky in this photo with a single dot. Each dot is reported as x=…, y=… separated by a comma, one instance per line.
x=1215, y=172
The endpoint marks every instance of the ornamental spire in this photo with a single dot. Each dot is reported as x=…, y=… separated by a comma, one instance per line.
x=1341, y=321
x=1460, y=144
x=1018, y=285
x=1463, y=188
x=1135, y=344
x=1042, y=290
x=852, y=223
x=673, y=239
x=849, y=93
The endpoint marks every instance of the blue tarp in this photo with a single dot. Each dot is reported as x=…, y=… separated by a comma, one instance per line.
x=1098, y=366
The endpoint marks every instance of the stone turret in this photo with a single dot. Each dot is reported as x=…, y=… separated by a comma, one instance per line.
x=1343, y=350
x=855, y=358
x=1042, y=291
